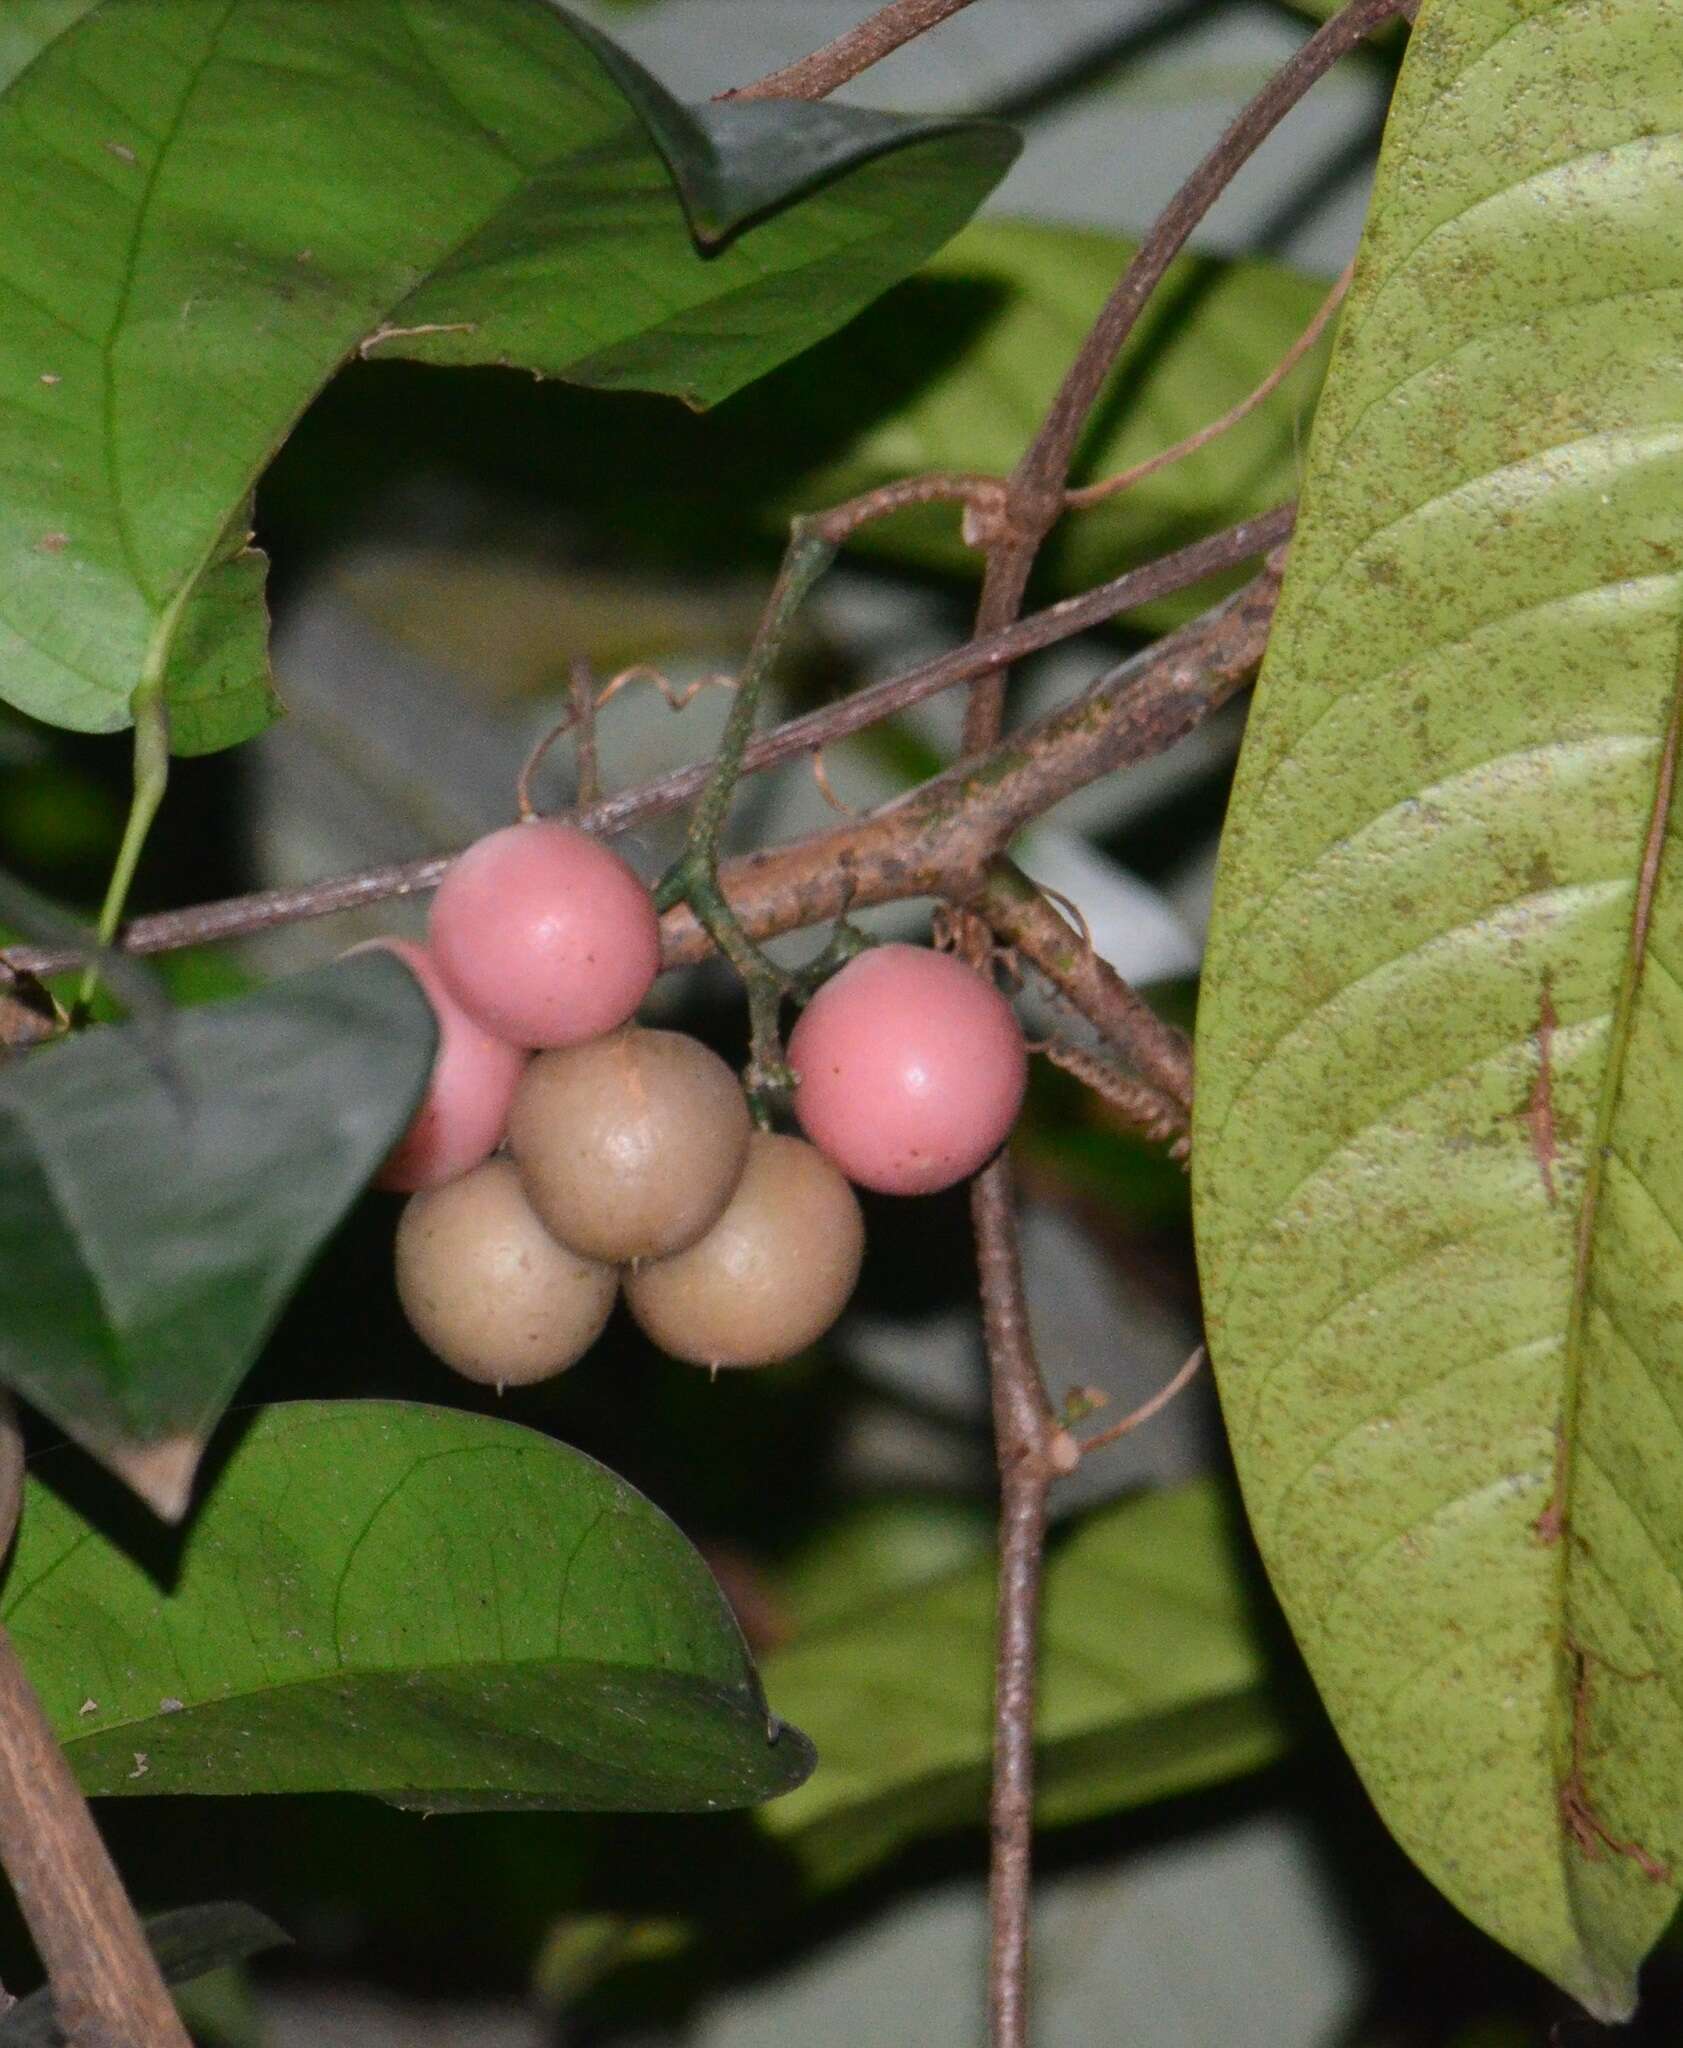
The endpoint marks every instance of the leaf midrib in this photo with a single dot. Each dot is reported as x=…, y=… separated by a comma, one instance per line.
x=1562, y=1495
x=108, y=410
x=344, y=1674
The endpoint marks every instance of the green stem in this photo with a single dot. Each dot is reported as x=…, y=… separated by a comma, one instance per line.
x=694, y=877
x=151, y=778
x=808, y=555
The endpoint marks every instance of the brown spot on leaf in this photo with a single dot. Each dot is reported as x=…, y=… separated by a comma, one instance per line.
x=1590, y=1834
x=1539, y=1113
x=1550, y=1525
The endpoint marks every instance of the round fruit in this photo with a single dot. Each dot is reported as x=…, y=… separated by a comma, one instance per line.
x=463, y=1113
x=488, y=1289
x=544, y=936
x=911, y=1070
x=772, y=1274
x=630, y=1146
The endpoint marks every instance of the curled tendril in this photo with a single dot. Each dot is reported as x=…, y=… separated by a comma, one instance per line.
x=581, y=714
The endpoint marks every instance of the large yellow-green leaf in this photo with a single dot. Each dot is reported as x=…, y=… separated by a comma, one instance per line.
x=1439, y=1183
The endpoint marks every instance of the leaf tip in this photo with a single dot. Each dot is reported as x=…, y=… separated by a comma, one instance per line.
x=1606, y=1995
x=161, y=1472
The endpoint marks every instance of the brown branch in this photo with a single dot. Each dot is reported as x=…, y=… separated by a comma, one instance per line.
x=265, y=909
x=106, y=1989
x=1023, y=1434
x=105, y=1986
x=815, y=76
x=972, y=489
x=1039, y=479
x=1142, y=1109
x=1034, y=500
x=1021, y=915
x=1022, y=1425
x=938, y=839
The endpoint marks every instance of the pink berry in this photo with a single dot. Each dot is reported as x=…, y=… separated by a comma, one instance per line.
x=465, y=1109
x=911, y=1070
x=544, y=936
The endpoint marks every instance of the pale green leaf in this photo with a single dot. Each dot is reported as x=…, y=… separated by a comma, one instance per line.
x=1011, y=301
x=1439, y=1189
x=1152, y=1682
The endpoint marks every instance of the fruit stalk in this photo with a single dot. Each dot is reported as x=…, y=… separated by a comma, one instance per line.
x=694, y=876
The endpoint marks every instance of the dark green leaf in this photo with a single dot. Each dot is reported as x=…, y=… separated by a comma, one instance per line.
x=441, y=1609
x=213, y=203
x=734, y=160
x=154, y=1219
x=1438, y=1182
x=1152, y=1683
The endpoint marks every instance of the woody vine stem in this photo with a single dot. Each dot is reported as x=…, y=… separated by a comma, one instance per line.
x=947, y=840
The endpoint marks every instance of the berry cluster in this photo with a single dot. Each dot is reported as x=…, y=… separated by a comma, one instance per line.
x=628, y=1158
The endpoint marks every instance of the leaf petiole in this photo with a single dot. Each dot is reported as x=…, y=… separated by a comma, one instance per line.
x=151, y=779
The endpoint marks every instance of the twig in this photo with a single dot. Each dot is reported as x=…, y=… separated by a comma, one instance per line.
x=1086, y=495
x=1019, y=913
x=105, y=1985
x=107, y=1992
x=1034, y=501
x=694, y=877
x=1143, y=1109
x=1023, y=1433
x=936, y=840
x=1044, y=470
x=266, y=909
x=933, y=841
x=580, y=718
x=581, y=687
x=815, y=76
x=1147, y=1409
x=973, y=490
x=1023, y=1427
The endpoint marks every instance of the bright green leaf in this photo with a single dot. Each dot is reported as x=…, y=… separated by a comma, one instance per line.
x=1016, y=299
x=1152, y=1683
x=159, y=1202
x=1438, y=1182
x=442, y=1609
x=211, y=204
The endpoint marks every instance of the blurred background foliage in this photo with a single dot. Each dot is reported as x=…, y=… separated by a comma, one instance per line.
x=444, y=543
